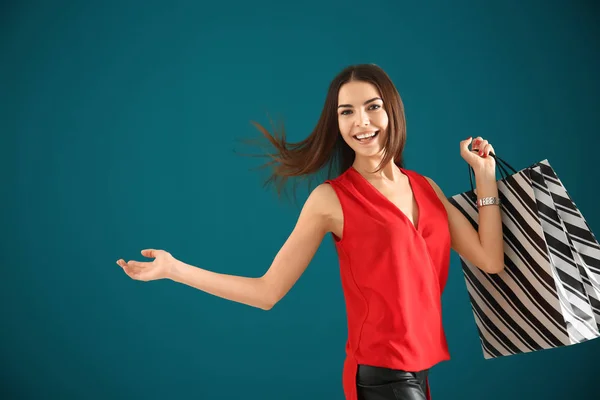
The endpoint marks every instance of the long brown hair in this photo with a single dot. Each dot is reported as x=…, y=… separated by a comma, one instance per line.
x=325, y=148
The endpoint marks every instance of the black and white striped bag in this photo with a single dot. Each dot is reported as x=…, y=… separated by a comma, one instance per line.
x=548, y=295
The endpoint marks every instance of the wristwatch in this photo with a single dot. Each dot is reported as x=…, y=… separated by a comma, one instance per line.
x=488, y=201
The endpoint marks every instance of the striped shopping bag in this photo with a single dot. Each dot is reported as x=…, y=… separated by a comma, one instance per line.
x=549, y=292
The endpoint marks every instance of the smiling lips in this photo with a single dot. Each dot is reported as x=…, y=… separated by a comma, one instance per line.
x=366, y=137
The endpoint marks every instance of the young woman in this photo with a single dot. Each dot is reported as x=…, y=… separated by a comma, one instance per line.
x=393, y=230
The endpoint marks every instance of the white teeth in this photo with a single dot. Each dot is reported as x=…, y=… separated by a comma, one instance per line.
x=366, y=135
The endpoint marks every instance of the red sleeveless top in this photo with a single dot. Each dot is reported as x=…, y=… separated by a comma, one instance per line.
x=392, y=275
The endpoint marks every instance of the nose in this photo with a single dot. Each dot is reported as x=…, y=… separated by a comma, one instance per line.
x=362, y=119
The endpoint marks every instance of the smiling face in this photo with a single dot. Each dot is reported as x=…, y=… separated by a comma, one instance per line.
x=362, y=119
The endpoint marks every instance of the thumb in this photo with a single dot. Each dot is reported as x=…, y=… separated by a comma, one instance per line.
x=151, y=253
x=464, y=145
x=464, y=148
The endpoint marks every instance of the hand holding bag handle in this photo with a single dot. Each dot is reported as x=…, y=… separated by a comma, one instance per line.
x=500, y=163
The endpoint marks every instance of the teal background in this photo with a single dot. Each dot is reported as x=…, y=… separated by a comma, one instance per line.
x=119, y=122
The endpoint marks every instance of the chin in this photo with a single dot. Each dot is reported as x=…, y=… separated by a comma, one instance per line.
x=368, y=151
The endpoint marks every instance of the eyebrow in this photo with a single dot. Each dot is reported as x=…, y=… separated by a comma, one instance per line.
x=365, y=103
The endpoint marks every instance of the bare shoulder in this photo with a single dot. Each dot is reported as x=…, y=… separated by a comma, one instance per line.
x=435, y=187
x=323, y=202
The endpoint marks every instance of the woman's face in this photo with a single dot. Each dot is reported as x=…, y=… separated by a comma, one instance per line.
x=360, y=114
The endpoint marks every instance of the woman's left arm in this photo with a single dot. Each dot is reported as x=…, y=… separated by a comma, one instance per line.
x=483, y=248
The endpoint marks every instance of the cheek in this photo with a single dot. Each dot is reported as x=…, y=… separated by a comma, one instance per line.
x=383, y=120
x=344, y=126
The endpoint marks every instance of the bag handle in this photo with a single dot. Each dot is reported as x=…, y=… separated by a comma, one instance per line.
x=500, y=163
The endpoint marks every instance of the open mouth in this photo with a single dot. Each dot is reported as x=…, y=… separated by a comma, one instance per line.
x=366, y=138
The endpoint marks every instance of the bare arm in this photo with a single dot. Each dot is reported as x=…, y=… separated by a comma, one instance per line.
x=483, y=248
x=288, y=265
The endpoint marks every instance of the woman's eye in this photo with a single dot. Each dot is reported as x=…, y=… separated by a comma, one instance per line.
x=371, y=107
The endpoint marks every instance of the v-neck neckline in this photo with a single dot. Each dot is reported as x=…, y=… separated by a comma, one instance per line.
x=417, y=224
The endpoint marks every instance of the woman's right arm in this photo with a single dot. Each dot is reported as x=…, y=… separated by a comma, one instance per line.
x=288, y=265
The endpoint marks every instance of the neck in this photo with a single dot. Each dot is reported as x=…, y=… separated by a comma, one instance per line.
x=367, y=166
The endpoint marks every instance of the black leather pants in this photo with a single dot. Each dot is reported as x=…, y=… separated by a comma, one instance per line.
x=377, y=383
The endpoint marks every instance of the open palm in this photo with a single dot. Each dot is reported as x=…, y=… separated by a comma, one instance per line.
x=159, y=268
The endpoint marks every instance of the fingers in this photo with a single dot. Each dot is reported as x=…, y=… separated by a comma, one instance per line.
x=478, y=145
x=138, y=270
x=137, y=264
x=150, y=253
x=132, y=268
x=487, y=150
x=146, y=270
x=126, y=268
x=482, y=147
x=477, y=148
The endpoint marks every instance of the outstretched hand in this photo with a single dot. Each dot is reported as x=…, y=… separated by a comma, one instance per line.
x=160, y=268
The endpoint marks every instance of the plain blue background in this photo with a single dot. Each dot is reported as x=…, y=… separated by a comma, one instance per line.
x=119, y=122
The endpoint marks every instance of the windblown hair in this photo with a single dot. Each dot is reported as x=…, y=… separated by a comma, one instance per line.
x=325, y=148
